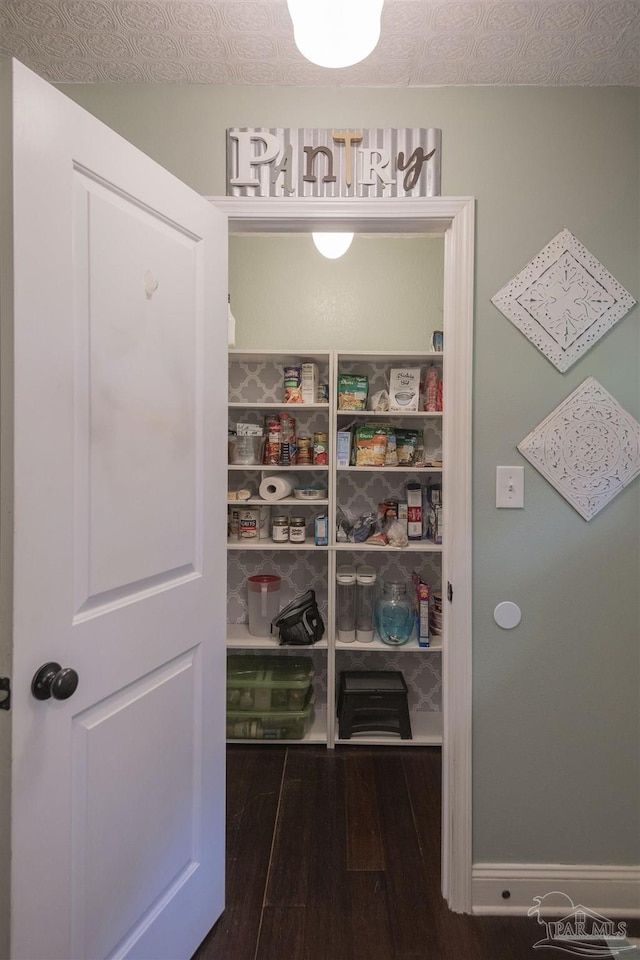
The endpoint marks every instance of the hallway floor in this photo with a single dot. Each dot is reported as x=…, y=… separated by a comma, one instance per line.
x=335, y=855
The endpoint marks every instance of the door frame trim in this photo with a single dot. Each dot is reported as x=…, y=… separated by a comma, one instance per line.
x=453, y=218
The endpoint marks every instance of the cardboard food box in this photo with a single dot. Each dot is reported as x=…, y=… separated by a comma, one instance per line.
x=404, y=389
x=422, y=609
x=321, y=531
x=414, y=511
x=309, y=382
x=343, y=448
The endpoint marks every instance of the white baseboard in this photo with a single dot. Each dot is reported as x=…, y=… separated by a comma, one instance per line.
x=612, y=891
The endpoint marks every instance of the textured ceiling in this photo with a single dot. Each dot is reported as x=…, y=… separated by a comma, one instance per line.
x=423, y=43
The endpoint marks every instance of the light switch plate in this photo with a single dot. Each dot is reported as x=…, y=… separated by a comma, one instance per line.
x=510, y=487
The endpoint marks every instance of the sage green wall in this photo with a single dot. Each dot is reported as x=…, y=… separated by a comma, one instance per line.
x=556, y=716
x=383, y=294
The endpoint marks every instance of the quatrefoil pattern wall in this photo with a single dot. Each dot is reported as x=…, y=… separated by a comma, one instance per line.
x=564, y=300
x=588, y=448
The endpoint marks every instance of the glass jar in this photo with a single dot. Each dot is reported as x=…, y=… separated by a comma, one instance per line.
x=280, y=529
x=395, y=614
x=297, y=530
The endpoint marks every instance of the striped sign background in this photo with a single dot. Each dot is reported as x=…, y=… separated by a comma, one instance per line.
x=390, y=142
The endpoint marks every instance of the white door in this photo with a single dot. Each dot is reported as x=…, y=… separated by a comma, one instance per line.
x=120, y=281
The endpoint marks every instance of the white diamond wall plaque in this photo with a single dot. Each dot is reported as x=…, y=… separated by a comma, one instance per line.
x=564, y=300
x=588, y=448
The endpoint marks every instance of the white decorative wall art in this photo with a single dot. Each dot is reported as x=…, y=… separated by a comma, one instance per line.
x=564, y=300
x=588, y=448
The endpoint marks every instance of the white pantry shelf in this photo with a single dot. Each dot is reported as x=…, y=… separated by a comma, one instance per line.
x=421, y=546
x=398, y=469
x=285, y=502
x=270, y=405
x=239, y=638
x=411, y=647
x=267, y=545
x=274, y=468
x=301, y=565
x=375, y=414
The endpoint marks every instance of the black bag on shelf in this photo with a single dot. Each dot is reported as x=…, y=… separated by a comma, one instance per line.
x=300, y=623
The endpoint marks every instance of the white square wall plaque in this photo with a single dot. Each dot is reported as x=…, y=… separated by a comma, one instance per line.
x=564, y=300
x=588, y=448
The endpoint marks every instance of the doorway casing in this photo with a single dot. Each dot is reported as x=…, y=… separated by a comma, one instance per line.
x=452, y=218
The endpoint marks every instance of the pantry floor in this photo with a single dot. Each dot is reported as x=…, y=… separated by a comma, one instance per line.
x=335, y=855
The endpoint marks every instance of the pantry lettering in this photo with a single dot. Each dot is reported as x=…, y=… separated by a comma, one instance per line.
x=333, y=163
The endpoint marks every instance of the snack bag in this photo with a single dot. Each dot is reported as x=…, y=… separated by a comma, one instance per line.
x=352, y=391
x=406, y=444
x=371, y=446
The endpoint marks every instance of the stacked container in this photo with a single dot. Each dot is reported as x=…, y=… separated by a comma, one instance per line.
x=269, y=698
x=365, y=601
x=346, y=603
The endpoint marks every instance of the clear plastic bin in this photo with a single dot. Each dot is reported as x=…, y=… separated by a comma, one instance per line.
x=291, y=725
x=268, y=684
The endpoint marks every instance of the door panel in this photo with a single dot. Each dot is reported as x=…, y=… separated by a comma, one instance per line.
x=119, y=331
x=117, y=885
x=138, y=290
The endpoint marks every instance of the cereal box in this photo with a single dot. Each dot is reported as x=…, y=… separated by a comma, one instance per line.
x=422, y=609
x=343, y=448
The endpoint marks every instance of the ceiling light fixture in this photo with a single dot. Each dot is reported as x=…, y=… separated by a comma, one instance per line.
x=332, y=245
x=335, y=33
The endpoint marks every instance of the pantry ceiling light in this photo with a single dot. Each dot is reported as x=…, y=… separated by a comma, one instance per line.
x=335, y=33
x=332, y=245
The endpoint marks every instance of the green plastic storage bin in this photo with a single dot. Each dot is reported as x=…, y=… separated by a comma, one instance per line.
x=283, y=725
x=259, y=685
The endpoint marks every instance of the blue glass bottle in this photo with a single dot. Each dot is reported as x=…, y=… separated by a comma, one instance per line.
x=395, y=615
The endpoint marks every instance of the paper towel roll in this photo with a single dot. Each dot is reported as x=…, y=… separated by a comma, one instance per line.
x=277, y=486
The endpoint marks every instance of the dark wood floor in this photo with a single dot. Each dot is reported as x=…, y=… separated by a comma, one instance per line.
x=335, y=855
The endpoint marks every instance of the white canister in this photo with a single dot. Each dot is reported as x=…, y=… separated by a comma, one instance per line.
x=265, y=522
x=346, y=603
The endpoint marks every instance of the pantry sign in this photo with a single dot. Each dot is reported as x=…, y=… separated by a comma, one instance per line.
x=278, y=161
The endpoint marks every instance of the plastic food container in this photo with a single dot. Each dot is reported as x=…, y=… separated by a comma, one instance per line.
x=272, y=685
x=263, y=594
x=310, y=493
x=282, y=725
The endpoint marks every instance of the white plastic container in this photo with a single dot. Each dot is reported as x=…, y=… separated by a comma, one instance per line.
x=346, y=603
x=365, y=603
